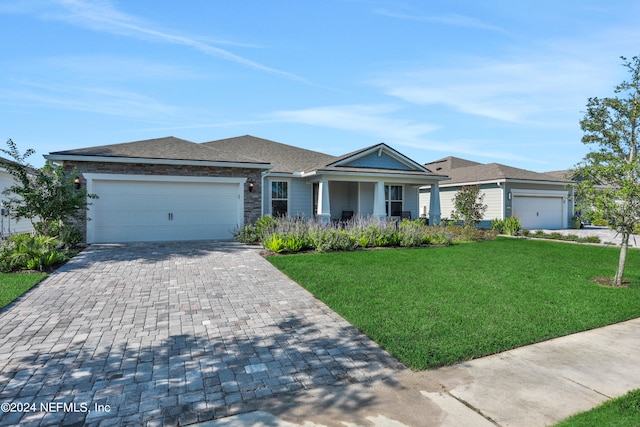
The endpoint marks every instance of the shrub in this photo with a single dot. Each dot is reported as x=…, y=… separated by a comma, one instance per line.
x=247, y=234
x=512, y=226
x=469, y=205
x=411, y=233
x=274, y=243
x=439, y=237
x=294, y=243
x=255, y=233
x=331, y=239
x=24, y=251
x=590, y=239
x=70, y=236
x=539, y=234
x=497, y=225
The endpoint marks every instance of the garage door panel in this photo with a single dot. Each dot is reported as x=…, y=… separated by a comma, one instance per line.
x=538, y=212
x=129, y=210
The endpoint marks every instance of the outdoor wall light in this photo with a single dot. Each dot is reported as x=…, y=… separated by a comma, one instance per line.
x=251, y=183
x=76, y=182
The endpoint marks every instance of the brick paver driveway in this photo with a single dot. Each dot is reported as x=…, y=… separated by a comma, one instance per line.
x=170, y=334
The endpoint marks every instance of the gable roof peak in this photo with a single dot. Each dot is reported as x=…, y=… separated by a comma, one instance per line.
x=400, y=159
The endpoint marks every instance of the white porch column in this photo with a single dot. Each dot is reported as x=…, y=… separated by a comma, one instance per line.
x=434, y=204
x=379, y=210
x=324, y=208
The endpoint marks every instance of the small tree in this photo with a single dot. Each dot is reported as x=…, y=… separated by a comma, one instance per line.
x=468, y=205
x=45, y=196
x=609, y=175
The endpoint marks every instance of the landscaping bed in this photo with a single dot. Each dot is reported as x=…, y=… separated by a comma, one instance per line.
x=284, y=235
x=437, y=306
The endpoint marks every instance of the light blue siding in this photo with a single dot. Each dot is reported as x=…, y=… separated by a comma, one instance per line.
x=366, y=199
x=373, y=161
x=300, y=199
x=411, y=201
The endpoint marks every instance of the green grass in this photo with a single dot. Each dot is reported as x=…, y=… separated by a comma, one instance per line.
x=436, y=306
x=12, y=285
x=623, y=411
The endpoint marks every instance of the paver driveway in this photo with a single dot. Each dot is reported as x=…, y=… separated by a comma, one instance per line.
x=167, y=334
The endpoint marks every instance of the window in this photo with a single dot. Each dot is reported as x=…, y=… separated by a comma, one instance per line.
x=393, y=198
x=279, y=198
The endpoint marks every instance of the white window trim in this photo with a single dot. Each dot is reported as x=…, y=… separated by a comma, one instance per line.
x=389, y=201
x=270, y=192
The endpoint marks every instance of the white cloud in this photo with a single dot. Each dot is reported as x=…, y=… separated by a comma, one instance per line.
x=448, y=19
x=377, y=121
x=100, y=15
x=94, y=99
x=112, y=68
x=507, y=90
x=368, y=119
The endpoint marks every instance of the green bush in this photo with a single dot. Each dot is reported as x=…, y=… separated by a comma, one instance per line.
x=331, y=239
x=24, y=251
x=274, y=242
x=511, y=226
x=439, y=237
x=255, y=233
x=497, y=225
x=70, y=236
x=294, y=243
x=590, y=239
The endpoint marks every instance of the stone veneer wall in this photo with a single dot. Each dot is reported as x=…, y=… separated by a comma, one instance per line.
x=252, y=201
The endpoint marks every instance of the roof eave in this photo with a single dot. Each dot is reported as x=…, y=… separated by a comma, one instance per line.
x=364, y=173
x=146, y=160
x=507, y=180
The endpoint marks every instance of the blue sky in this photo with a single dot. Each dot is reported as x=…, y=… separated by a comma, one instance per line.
x=490, y=81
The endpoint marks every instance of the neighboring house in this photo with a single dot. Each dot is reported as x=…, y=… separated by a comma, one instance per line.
x=8, y=224
x=538, y=200
x=172, y=189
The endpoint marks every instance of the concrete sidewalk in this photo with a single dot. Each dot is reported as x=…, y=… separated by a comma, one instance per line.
x=607, y=236
x=536, y=385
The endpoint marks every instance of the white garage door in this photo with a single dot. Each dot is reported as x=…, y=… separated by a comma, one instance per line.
x=148, y=210
x=538, y=212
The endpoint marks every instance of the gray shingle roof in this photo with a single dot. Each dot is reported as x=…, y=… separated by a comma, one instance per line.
x=283, y=157
x=169, y=148
x=497, y=171
x=563, y=175
x=449, y=163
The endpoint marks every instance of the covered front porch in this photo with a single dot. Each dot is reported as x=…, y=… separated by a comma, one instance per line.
x=341, y=199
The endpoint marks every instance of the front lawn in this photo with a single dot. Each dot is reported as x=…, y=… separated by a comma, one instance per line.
x=12, y=285
x=619, y=412
x=436, y=306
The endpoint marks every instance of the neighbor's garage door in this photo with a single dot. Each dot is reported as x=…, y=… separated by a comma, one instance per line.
x=143, y=211
x=538, y=212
